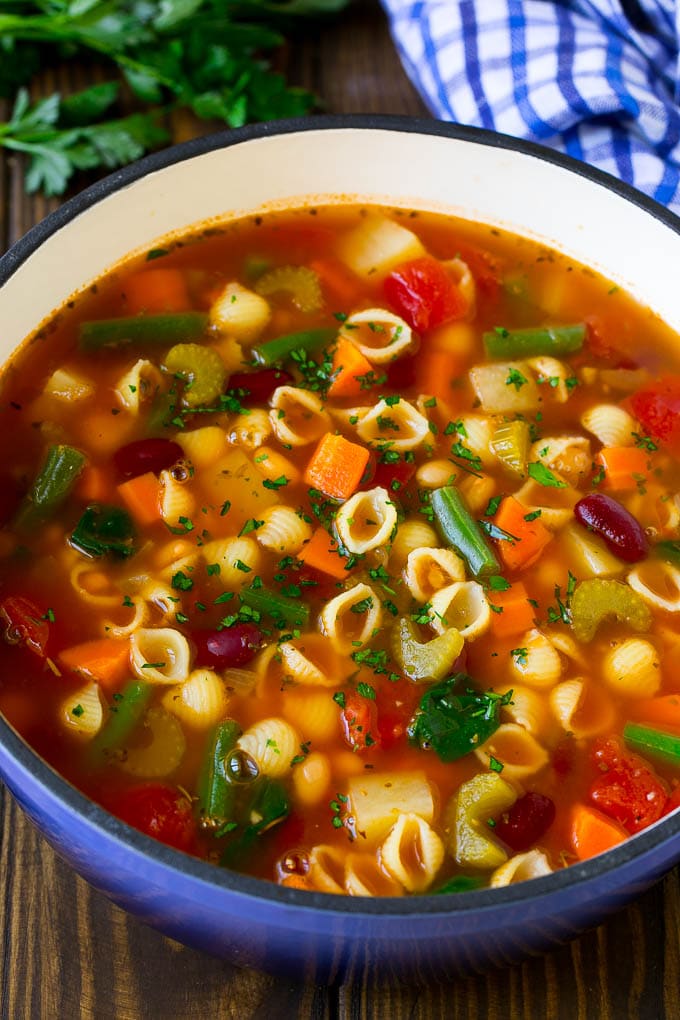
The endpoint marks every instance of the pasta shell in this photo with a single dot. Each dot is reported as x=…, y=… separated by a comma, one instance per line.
x=366, y=521
x=138, y=385
x=177, y=499
x=462, y=605
x=272, y=743
x=521, y=868
x=569, y=456
x=519, y=751
x=611, y=424
x=83, y=711
x=311, y=660
x=658, y=583
x=326, y=869
x=237, y=559
x=240, y=313
x=433, y=474
x=381, y=336
x=413, y=853
x=251, y=430
x=412, y=535
x=313, y=712
x=284, y=531
x=203, y=446
x=528, y=708
x=476, y=431
x=581, y=708
x=555, y=373
x=377, y=799
x=536, y=661
x=400, y=424
x=160, y=655
x=633, y=669
x=298, y=416
x=351, y=618
x=430, y=570
x=200, y=701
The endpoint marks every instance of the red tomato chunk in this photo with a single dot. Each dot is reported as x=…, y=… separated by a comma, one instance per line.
x=424, y=294
x=628, y=790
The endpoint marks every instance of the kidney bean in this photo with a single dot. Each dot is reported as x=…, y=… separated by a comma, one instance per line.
x=146, y=455
x=621, y=533
x=232, y=647
x=526, y=821
x=259, y=385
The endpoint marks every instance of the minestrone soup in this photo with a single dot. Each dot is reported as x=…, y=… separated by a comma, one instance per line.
x=341, y=547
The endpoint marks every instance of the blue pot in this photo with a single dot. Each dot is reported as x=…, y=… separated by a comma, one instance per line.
x=306, y=936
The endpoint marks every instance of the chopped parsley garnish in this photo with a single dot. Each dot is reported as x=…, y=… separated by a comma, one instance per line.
x=250, y=525
x=516, y=379
x=181, y=581
x=365, y=690
x=544, y=476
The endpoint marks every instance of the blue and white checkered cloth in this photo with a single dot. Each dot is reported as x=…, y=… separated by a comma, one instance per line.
x=597, y=79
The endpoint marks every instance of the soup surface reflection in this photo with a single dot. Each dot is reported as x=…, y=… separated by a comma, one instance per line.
x=341, y=547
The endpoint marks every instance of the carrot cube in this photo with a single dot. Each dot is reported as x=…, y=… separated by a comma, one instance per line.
x=321, y=553
x=526, y=539
x=337, y=466
x=142, y=497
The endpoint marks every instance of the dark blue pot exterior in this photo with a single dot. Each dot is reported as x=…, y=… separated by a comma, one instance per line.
x=305, y=936
x=318, y=938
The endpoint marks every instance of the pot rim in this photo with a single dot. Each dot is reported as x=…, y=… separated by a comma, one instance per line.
x=476, y=901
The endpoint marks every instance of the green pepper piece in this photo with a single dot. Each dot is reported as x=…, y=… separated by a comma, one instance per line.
x=655, y=743
x=533, y=341
x=283, y=610
x=454, y=724
x=459, y=884
x=278, y=349
x=216, y=795
x=51, y=486
x=458, y=527
x=268, y=807
x=598, y=599
x=160, y=330
x=127, y=711
x=104, y=529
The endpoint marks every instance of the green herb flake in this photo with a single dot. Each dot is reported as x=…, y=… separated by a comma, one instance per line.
x=544, y=476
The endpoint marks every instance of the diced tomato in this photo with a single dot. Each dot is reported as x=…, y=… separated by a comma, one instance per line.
x=159, y=811
x=23, y=623
x=359, y=722
x=393, y=477
x=481, y=265
x=424, y=294
x=628, y=790
x=396, y=702
x=657, y=408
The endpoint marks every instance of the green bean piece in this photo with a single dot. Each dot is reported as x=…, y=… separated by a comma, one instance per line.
x=530, y=342
x=163, y=409
x=202, y=370
x=278, y=349
x=127, y=711
x=598, y=599
x=289, y=612
x=458, y=527
x=216, y=795
x=169, y=328
x=655, y=743
x=51, y=486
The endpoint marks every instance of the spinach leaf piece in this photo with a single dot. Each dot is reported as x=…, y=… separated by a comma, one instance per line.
x=453, y=719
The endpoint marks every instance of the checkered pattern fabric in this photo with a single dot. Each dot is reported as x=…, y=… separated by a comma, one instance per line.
x=597, y=79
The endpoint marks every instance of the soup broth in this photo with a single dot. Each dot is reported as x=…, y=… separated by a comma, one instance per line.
x=341, y=547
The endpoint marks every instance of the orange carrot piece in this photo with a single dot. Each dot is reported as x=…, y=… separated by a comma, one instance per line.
x=516, y=615
x=94, y=485
x=348, y=365
x=336, y=466
x=664, y=710
x=435, y=373
x=592, y=832
x=624, y=466
x=105, y=660
x=297, y=882
x=155, y=291
x=321, y=553
x=338, y=283
x=141, y=496
x=528, y=538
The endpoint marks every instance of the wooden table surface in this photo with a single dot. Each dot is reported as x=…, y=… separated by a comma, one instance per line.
x=67, y=953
